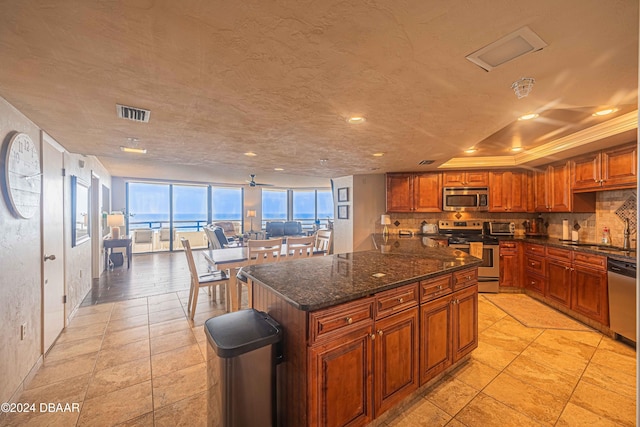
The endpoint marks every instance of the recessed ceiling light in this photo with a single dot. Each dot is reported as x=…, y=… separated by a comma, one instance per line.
x=378, y=154
x=605, y=112
x=354, y=120
x=250, y=154
x=516, y=149
x=133, y=150
x=528, y=116
x=278, y=169
x=470, y=150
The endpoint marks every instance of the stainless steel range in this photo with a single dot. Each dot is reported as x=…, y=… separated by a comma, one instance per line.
x=461, y=234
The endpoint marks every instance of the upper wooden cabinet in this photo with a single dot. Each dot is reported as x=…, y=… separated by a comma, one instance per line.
x=553, y=192
x=414, y=192
x=507, y=191
x=465, y=179
x=611, y=169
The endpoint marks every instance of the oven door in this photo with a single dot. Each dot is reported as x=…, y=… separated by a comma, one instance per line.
x=489, y=270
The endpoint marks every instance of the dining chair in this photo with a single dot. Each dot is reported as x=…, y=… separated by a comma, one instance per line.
x=323, y=241
x=211, y=237
x=259, y=252
x=213, y=278
x=300, y=247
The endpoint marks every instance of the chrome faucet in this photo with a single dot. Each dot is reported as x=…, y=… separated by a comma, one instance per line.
x=626, y=243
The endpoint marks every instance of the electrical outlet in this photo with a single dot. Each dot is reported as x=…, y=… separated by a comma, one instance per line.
x=23, y=331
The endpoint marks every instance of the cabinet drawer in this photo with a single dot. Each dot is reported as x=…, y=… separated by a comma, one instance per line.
x=342, y=319
x=434, y=288
x=508, y=246
x=535, y=265
x=534, y=249
x=561, y=254
x=464, y=278
x=395, y=300
x=590, y=261
x=535, y=283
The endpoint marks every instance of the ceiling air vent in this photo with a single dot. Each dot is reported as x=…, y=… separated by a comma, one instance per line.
x=133, y=113
x=426, y=162
x=507, y=48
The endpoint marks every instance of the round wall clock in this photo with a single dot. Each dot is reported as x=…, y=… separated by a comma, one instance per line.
x=23, y=175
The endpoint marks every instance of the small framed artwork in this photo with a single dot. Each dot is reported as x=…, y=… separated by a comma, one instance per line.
x=343, y=212
x=343, y=194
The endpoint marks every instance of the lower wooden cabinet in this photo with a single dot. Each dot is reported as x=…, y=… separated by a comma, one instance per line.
x=509, y=264
x=558, y=283
x=589, y=292
x=341, y=380
x=449, y=328
x=396, y=359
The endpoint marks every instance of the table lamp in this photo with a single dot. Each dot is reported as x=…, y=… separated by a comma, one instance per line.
x=251, y=213
x=385, y=220
x=115, y=221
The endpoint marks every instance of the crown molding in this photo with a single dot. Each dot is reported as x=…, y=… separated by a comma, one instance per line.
x=590, y=135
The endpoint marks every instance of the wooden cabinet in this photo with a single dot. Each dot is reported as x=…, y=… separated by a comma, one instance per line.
x=509, y=264
x=396, y=359
x=558, y=281
x=611, y=169
x=535, y=268
x=449, y=330
x=465, y=179
x=340, y=380
x=553, y=192
x=414, y=192
x=589, y=291
x=508, y=191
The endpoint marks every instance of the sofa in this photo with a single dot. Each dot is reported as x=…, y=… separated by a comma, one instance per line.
x=227, y=227
x=283, y=229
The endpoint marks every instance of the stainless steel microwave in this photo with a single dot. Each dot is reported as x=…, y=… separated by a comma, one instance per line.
x=465, y=199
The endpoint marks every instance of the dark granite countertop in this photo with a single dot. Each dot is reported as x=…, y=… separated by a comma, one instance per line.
x=324, y=281
x=591, y=248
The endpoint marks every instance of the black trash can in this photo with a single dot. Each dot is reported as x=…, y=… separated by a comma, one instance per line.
x=243, y=349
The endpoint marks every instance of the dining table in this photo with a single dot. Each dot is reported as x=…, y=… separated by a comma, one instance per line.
x=236, y=257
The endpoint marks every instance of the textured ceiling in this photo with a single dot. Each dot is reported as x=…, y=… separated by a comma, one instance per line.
x=280, y=78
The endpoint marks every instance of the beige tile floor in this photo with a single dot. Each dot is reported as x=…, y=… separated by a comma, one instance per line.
x=142, y=363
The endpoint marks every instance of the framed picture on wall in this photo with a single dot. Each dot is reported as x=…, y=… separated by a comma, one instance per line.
x=343, y=194
x=343, y=212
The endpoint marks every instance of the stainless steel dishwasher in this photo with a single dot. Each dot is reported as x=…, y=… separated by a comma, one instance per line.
x=622, y=297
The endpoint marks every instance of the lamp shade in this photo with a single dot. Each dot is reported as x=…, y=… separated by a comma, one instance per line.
x=385, y=219
x=115, y=220
x=251, y=213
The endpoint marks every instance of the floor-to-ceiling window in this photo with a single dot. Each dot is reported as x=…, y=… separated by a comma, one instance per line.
x=309, y=206
x=149, y=209
x=226, y=205
x=189, y=216
x=274, y=206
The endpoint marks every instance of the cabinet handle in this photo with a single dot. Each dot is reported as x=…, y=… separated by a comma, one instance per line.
x=400, y=300
x=468, y=277
x=532, y=264
x=380, y=332
x=349, y=320
x=566, y=268
x=573, y=269
x=596, y=181
x=439, y=287
x=532, y=283
x=373, y=337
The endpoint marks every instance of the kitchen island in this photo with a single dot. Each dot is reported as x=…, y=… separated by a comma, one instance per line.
x=363, y=331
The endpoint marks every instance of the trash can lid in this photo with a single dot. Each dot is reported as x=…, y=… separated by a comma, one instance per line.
x=234, y=334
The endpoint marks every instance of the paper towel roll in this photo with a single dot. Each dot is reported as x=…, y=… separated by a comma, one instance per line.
x=565, y=230
x=574, y=235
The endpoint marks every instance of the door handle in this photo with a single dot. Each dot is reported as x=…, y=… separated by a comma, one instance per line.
x=49, y=257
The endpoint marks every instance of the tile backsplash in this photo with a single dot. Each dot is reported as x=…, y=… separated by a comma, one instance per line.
x=591, y=224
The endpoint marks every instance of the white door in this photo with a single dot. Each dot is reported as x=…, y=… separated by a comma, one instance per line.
x=52, y=241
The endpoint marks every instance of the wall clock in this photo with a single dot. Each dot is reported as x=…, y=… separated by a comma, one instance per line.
x=23, y=175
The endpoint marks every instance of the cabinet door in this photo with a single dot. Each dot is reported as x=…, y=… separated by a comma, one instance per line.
x=400, y=192
x=427, y=192
x=498, y=191
x=477, y=179
x=589, y=294
x=558, y=282
x=340, y=380
x=518, y=199
x=540, y=203
x=619, y=167
x=534, y=282
x=559, y=197
x=453, y=179
x=396, y=359
x=465, y=322
x=586, y=172
x=509, y=268
x=435, y=340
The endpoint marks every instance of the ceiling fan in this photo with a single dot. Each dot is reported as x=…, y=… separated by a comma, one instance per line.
x=253, y=182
